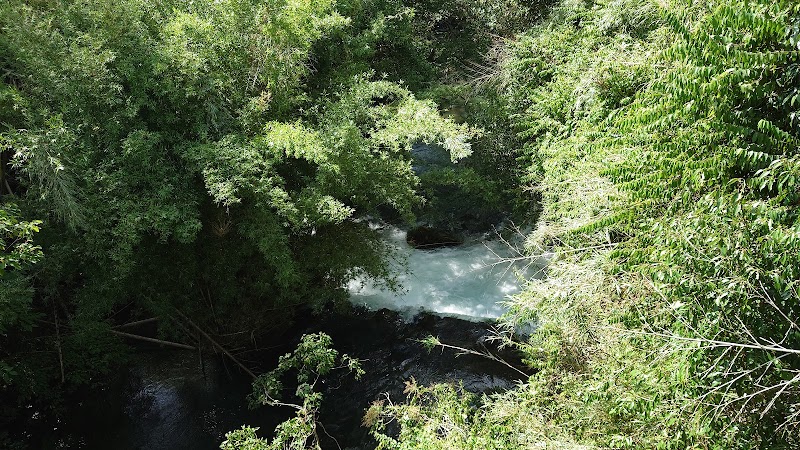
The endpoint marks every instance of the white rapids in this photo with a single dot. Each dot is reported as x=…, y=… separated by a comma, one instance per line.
x=467, y=281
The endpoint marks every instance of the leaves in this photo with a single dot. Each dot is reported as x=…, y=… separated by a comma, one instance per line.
x=172, y=148
x=18, y=251
x=313, y=359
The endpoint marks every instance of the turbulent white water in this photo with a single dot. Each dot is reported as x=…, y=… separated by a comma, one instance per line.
x=459, y=281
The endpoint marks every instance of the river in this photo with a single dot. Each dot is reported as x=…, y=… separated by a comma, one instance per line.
x=168, y=399
x=469, y=281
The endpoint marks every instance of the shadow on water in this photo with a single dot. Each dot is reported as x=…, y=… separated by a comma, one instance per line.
x=166, y=402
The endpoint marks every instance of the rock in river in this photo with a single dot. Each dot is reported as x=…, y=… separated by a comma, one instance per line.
x=427, y=238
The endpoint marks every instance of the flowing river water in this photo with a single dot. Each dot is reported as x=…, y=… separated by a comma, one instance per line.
x=169, y=400
x=469, y=281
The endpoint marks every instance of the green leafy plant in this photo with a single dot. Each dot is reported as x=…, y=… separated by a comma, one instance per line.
x=661, y=137
x=313, y=359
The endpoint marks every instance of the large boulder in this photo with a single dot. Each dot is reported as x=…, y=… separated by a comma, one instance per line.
x=427, y=238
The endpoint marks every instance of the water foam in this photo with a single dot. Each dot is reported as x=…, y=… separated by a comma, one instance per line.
x=459, y=281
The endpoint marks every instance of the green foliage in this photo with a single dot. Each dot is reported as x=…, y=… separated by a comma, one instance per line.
x=19, y=251
x=244, y=439
x=15, y=299
x=231, y=148
x=446, y=417
x=18, y=254
x=663, y=213
x=712, y=186
x=382, y=37
x=313, y=358
x=662, y=138
x=487, y=183
x=194, y=155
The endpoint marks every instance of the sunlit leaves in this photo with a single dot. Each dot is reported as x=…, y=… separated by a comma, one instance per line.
x=16, y=236
x=313, y=359
x=18, y=252
x=712, y=183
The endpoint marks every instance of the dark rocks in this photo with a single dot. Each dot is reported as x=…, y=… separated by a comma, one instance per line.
x=429, y=157
x=427, y=238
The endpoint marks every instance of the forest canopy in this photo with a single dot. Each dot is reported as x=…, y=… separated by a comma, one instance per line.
x=218, y=159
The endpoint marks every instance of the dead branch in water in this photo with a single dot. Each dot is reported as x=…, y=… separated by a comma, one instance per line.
x=153, y=340
x=216, y=344
x=138, y=322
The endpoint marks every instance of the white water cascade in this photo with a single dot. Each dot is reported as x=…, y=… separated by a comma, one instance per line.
x=461, y=281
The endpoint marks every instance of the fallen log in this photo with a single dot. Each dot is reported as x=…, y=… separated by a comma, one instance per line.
x=153, y=340
x=138, y=322
x=216, y=345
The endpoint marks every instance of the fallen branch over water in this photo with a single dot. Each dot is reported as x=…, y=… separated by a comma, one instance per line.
x=216, y=344
x=138, y=322
x=431, y=342
x=153, y=340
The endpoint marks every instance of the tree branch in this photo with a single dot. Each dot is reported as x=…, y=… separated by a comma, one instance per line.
x=153, y=340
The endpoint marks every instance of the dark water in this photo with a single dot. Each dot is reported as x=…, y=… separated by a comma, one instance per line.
x=167, y=400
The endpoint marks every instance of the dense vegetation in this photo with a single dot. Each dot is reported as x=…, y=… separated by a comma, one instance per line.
x=209, y=159
x=663, y=140
x=215, y=159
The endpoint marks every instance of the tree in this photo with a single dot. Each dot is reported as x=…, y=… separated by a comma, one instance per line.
x=313, y=359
